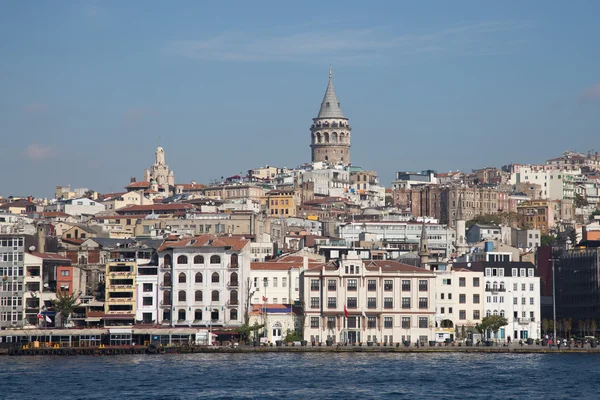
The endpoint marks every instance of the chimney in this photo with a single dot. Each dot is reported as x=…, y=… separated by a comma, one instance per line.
x=41, y=238
x=132, y=179
x=304, y=263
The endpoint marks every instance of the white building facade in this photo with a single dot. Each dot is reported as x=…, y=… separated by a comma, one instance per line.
x=359, y=301
x=203, y=281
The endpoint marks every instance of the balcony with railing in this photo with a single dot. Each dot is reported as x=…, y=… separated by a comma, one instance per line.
x=233, y=284
x=525, y=321
x=233, y=302
x=165, y=303
x=495, y=289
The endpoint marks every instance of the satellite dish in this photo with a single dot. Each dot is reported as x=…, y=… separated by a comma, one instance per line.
x=469, y=265
x=31, y=248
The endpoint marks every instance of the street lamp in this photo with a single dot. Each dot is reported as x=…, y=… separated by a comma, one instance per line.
x=553, y=260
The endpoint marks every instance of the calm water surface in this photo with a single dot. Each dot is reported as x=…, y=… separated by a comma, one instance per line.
x=302, y=376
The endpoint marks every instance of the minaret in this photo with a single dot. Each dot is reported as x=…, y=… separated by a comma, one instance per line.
x=461, y=239
x=330, y=131
x=424, y=248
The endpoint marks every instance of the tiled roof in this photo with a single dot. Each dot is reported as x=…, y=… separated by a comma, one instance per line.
x=140, y=185
x=50, y=256
x=157, y=207
x=330, y=106
x=206, y=241
x=54, y=215
x=72, y=241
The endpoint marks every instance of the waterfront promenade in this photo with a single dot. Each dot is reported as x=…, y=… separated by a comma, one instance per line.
x=122, y=350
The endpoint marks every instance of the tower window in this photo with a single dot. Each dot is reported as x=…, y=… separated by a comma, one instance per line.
x=327, y=104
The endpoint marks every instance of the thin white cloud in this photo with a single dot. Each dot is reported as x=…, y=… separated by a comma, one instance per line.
x=590, y=94
x=346, y=44
x=38, y=152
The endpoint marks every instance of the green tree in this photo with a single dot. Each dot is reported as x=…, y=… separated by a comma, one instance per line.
x=486, y=219
x=246, y=330
x=545, y=326
x=594, y=213
x=547, y=240
x=580, y=201
x=494, y=322
x=64, y=305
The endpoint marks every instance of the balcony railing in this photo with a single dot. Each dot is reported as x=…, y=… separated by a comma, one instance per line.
x=165, y=266
x=233, y=284
x=232, y=303
x=495, y=289
x=165, y=303
x=525, y=320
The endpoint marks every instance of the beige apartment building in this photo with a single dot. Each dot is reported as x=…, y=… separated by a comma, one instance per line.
x=459, y=303
x=120, y=298
x=358, y=301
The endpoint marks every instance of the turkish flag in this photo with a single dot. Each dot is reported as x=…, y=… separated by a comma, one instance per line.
x=345, y=311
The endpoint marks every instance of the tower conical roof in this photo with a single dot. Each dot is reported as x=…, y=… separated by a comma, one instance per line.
x=330, y=107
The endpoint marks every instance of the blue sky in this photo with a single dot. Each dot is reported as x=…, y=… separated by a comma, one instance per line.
x=88, y=88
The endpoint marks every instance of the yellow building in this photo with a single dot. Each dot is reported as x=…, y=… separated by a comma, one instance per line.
x=120, y=299
x=281, y=202
x=537, y=214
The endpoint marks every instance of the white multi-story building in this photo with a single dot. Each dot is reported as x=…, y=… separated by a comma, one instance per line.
x=440, y=237
x=554, y=184
x=512, y=290
x=359, y=300
x=204, y=281
x=277, y=281
x=76, y=207
x=458, y=302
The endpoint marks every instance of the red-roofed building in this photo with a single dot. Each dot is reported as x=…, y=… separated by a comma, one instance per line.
x=359, y=300
x=156, y=209
x=204, y=280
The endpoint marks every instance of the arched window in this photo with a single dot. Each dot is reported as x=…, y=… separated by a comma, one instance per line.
x=215, y=295
x=487, y=286
x=215, y=259
x=198, y=315
x=319, y=137
x=495, y=312
x=182, y=260
x=198, y=259
x=501, y=285
x=233, y=279
x=166, y=298
x=181, y=295
x=488, y=313
x=167, y=279
x=198, y=296
x=502, y=313
x=214, y=314
x=233, y=297
x=215, y=277
x=495, y=286
x=166, y=315
x=326, y=137
x=334, y=137
x=198, y=277
x=182, y=278
x=233, y=314
x=181, y=314
x=234, y=261
x=168, y=261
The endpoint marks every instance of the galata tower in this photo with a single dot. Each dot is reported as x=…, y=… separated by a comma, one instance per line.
x=330, y=131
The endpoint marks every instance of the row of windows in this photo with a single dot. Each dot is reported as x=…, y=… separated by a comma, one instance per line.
x=11, y=242
x=352, y=302
x=275, y=282
x=198, y=259
x=462, y=314
x=494, y=286
x=462, y=282
x=514, y=272
x=355, y=322
x=198, y=297
x=198, y=315
x=215, y=278
x=352, y=285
